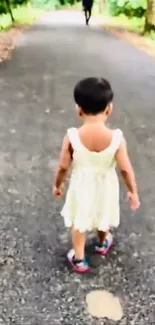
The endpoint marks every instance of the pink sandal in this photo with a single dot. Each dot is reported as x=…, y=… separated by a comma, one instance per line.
x=104, y=249
x=79, y=266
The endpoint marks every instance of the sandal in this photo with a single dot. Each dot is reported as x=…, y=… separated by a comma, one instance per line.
x=104, y=249
x=79, y=266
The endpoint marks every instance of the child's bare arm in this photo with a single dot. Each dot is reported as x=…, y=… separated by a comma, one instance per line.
x=125, y=168
x=64, y=162
x=128, y=175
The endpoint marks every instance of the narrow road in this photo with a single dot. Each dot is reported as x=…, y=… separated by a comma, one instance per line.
x=36, y=108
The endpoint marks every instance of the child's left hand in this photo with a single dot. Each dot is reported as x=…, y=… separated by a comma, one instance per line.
x=57, y=192
x=134, y=201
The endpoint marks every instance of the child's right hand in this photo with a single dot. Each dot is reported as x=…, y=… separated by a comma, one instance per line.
x=134, y=201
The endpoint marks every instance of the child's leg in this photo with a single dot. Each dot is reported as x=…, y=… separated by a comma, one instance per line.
x=105, y=241
x=102, y=236
x=78, y=240
x=76, y=256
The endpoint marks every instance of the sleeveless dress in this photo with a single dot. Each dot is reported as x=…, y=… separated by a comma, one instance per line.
x=92, y=200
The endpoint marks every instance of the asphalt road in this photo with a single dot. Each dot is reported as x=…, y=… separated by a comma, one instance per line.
x=36, y=108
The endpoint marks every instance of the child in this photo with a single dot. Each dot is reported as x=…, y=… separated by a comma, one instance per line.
x=92, y=200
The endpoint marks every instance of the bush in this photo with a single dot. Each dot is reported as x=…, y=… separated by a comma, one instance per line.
x=51, y=4
x=2, y=8
x=130, y=8
x=45, y=4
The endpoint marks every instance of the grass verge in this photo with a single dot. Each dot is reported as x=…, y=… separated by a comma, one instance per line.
x=24, y=17
x=130, y=30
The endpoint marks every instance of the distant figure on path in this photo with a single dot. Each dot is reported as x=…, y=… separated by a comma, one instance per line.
x=87, y=7
x=93, y=150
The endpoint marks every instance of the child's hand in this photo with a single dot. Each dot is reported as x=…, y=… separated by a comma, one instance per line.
x=134, y=201
x=57, y=192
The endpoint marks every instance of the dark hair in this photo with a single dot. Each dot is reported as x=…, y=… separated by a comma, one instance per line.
x=93, y=95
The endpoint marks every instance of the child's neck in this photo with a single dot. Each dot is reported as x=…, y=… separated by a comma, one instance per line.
x=93, y=119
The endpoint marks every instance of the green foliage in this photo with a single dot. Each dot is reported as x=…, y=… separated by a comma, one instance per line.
x=22, y=15
x=5, y=4
x=2, y=8
x=15, y=3
x=51, y=4
x=130, y=8
x=46, y=4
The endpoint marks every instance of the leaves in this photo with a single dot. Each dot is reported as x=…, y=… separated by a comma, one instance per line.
x=51, y=4
x=131, y=8
x=12, y=4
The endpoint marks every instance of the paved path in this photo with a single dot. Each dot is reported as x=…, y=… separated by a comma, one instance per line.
x=36, y=108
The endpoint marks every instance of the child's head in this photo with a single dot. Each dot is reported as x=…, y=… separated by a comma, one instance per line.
x=93, y=96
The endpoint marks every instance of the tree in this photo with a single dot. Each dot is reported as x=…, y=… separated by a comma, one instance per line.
x=150, y=16
x=9, y=10
x=6, y=6
x=130, y=8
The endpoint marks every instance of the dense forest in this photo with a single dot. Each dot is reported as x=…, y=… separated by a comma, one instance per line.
x=130, y=8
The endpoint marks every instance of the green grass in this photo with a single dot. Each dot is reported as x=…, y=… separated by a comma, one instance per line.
x=22, y=15
x=131, y=24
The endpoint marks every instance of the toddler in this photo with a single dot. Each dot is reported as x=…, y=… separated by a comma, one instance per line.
x=93, y=151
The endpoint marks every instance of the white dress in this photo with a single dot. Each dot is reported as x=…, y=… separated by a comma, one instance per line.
x=92, y=200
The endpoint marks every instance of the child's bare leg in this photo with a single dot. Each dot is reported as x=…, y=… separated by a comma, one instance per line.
x=76, y=256
x=105, y=241
x=102, y=236
x=78, y=240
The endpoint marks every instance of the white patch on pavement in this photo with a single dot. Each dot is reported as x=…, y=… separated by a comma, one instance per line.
x=103, y=304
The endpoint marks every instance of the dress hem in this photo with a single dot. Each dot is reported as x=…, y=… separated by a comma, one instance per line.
x=70, y=224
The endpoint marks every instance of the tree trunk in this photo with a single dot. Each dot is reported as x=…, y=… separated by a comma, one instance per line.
x=150, y=16
x=9, y=9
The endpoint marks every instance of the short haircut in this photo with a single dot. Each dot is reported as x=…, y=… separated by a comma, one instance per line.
x=93, y=95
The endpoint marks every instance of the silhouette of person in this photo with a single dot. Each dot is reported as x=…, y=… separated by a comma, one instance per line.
x=87, y=7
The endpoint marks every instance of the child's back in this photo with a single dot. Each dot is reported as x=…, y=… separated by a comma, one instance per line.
x=94, y=181
x=95, y=136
